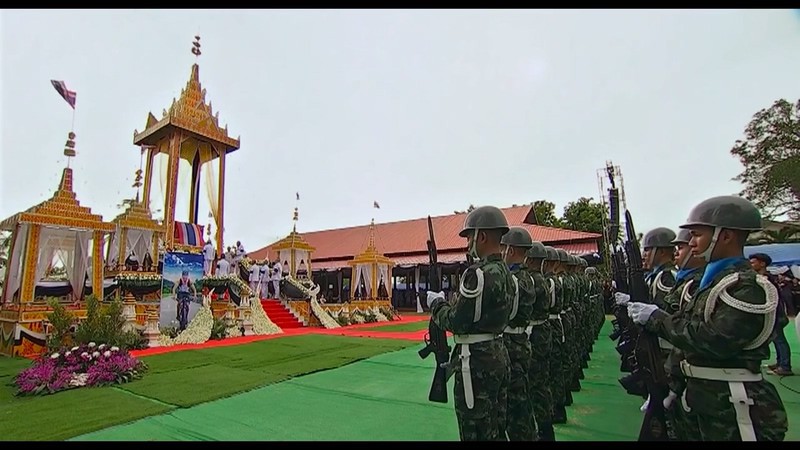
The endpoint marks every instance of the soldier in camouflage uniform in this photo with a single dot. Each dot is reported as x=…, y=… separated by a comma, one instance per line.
x=539, y=380
x=596, y=307
x=477, y=316
x=558, y=390
x=724, y=330
x=690, y=272
x=571, y=358
x=520, y=424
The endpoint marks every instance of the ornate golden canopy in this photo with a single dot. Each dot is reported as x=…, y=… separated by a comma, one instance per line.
x=138, y=216
x=293, y=241
x=61, y=210
x=371, y=255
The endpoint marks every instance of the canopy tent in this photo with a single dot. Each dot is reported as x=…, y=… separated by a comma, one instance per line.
x=781, y=254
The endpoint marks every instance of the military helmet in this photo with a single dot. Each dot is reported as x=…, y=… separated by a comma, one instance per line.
x=537, y=251
x=590, y=271
x=484, y=218
x=517, y=237
x=684, y=236
x=573, y=261
x=563, y=256
x=552, y=254
x=583, y=262
x=726, y=211
x=658, y=237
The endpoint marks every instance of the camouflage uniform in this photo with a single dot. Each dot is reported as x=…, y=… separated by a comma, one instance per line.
x=539, y=379
x=727, y=326
x=520, y=423
x=477, y=316
x=570, y=363
x=556, y=293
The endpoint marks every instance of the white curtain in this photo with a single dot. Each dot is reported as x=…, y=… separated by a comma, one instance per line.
x=383, y=272
x=143, y=245
x=15, y=262
x=80, y=262
x=212, y=189
x=366, y=272
x=357, y=281
x=286, y=256
x=50, y=243
x=113, y=247
x=301, y=255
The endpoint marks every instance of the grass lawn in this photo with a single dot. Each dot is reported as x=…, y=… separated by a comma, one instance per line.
x=400, y=327
x=175, y=380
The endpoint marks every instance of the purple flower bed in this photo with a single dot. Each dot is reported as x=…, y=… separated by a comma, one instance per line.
x=84, y=365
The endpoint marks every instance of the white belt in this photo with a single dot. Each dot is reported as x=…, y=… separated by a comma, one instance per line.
x=515, y=330
x=534, y=323
x=664, y=344
x=466, y=340
x=736, y=379
x=558, y=318
x=563, y=311
x=554, y=317
x=569, y=309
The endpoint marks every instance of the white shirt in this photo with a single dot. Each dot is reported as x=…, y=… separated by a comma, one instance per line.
x=264, y=274
x=223, y=268
x=276, y=271
x=208, y=252
x=255, y=273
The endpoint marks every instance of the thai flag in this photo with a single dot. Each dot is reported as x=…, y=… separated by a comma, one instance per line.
x=65, y=93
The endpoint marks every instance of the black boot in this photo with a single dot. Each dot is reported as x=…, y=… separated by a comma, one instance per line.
x=575, y=386
x=559, y=414
x=581, y=375
x=546, y=432
x=569, y=400
x=584, y=365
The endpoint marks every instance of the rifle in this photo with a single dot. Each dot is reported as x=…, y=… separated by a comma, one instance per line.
x=436, y=339
x=648, y=352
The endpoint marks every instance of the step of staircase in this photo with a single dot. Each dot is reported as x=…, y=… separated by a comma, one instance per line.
x=280, y=315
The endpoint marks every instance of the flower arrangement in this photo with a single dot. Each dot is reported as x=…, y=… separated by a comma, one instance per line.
x=83, y=365
x=388, y=313
x=324, y=316
x=138, y=279
x=197, y=332
x=261, y=323
x=227, y=282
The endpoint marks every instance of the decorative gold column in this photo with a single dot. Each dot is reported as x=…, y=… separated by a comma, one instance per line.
x=154, y=254
x=29, y=270
x=123, y=248
x=97, y=265
x=9, y=260
x=172, y=185
x=148, y=175
x=221, y=201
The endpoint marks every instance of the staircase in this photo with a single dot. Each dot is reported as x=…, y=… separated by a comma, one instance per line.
x=280, y=315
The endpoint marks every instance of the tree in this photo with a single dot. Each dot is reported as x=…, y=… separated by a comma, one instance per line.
x=545, y=213
x=585, y=215
x=782, y=236
x=770, y=153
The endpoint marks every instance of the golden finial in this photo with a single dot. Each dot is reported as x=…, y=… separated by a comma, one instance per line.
x=294, y=218
x=69, y=147
x=196, y=46
x=372, y=234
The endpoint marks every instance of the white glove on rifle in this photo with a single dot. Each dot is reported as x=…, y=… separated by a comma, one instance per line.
x=435, y=297
x=640, y=312
x=644, y=406
x=621, y=298
x=669, y=399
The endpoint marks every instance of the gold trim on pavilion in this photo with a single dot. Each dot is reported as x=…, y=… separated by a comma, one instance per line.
x=371, y=267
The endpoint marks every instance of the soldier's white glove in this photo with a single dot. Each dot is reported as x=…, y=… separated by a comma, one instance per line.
x=621, y=298
x=669, y=399
x=640, y=312
x=435, y=297
x=644, y=406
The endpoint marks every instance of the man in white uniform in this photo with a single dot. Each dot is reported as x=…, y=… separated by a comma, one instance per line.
x=276, y=278
x=222, y=266
x=208, y=257
x=255, y=275
x=265, y=278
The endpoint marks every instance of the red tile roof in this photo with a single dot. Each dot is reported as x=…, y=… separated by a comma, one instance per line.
x=580, y=248
x=408, y=238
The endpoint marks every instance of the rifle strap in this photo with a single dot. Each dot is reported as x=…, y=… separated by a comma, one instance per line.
x=741, y=404
x=515, y=305
x=465, y=340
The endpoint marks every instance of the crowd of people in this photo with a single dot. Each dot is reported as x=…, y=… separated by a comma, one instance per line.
x=264, y=276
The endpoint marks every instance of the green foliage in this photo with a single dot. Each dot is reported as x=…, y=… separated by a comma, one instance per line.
x=388, y=313
x=61, y=322
x=133, y=340
x=103, y=323
x=171, y=331
x=370, y=317
x=770, y=154
x=545, y=213
x=342, y=318
x=219, y=328
x=585, y=215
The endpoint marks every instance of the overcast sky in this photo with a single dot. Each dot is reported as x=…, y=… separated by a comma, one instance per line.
x=424, y=112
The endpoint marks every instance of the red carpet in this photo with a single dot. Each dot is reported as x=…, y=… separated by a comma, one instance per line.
x=350, y=330
x=280, y=315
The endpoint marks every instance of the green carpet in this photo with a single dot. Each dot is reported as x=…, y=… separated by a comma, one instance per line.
x=384, y=398
x=178, y=379
x=401, y=327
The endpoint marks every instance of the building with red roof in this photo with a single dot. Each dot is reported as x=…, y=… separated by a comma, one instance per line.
x=405, y=243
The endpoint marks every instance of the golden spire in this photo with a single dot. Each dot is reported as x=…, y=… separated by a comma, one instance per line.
x=196, y=47
x=69, y=147
x=294, y=218
x=371, y=235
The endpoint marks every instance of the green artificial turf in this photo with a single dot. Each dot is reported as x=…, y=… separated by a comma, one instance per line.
x=177, y=379
x=400, y=327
